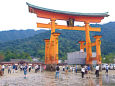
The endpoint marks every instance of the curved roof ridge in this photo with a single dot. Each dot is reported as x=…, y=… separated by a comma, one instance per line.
x=68, y=12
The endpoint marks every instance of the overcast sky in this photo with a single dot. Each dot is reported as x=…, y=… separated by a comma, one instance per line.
x=14, y=13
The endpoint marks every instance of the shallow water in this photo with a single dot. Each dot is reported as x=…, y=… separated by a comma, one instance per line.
x=48, y=79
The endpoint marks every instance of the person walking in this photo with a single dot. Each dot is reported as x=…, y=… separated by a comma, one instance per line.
x=97, y=70
x=57, y=71
x=82, y=71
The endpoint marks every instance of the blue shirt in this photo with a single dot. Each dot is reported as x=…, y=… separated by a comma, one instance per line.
x=25, y=68
x=88, y=68
x=14, y=66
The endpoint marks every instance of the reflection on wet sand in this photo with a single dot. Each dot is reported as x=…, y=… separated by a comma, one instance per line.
x=91, y=83
x=103, y=80
x=48, y=79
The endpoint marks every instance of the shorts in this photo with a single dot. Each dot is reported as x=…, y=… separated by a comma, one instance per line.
x=106, y=71
x=25, y=72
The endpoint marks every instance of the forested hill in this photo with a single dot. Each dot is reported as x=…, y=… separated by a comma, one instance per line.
x=68, y=42
x=17, y=34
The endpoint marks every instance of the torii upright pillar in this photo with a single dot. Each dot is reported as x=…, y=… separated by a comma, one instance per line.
x=98, y=48
x=88, y=44
x=53, y=46
x=56, y=47
x=46, y=50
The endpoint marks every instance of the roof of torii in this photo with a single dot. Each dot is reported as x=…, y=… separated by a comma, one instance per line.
x=69, y=13
x=65, y=15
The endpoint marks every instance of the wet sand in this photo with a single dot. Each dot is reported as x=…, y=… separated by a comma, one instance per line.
x=48, y=79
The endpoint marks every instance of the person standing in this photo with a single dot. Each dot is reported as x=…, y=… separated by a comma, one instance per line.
x=67, y=68
x=107, y=69
x=82, y=71
x=3, y=68
x=44, y=67
x=73, y=69
x=21, y=67
x=14, y=67
x=36, y=68
x=51, y=68
x=29, y=68
x=89, y=71
x=76, y=69
x=9, y=69
x=1, y=71
x=57, y=71
x=70, y=69
x=40, y=68
x=63, y=68
x=25, y=71
x=97, y=70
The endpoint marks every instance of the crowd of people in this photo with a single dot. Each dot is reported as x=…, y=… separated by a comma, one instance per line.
x=85, y=69
x=21, y=67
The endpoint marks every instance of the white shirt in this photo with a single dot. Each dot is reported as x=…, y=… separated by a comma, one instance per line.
x=3, y=66
x=73, y=68
x=29, y=66
x=21, y=66
x=36, y=66
x=83, y=70
x=70, y=68
x=97, y=67
x=9, y=67
x=107, y=67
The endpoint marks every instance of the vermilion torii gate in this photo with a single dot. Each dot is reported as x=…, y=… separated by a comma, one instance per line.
x=51, y=45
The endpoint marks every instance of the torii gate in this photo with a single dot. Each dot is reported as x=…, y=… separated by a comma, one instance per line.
x=51, y=45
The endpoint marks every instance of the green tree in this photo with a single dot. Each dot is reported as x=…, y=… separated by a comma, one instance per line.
x=109, y=58
x=1, y=57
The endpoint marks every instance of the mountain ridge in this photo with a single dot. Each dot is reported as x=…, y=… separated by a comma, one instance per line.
x=10, y=35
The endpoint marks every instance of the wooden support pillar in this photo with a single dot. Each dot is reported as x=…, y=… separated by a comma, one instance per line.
x=82, y=45
x=56, y=47
x=52, y=39
x=98, y=48
x=88, y=44
x=46, y=51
